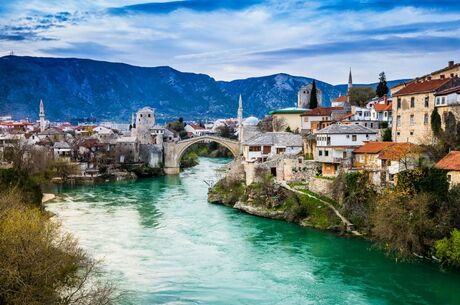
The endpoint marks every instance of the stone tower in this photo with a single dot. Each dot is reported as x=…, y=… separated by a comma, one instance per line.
x=144, y=121
x=42, y=117
x=304, y=96
x=240, y=118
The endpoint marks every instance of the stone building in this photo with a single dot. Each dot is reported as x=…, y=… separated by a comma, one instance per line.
x=412, y=111
x=304, y=96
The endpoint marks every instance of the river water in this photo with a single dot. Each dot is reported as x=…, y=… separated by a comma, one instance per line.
x=162, y=243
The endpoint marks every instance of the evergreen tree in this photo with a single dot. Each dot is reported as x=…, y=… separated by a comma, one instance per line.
x=382, y=87
x=386, y=135
x=450, y=131
x=313, y=96
x=435, y=122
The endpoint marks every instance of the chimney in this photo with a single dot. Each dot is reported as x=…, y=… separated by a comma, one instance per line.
x=385, y=99
x=451, y=63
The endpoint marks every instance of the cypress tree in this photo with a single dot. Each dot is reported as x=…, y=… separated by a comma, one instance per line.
x=313, y=96
x=435, y=122
x=382, y=87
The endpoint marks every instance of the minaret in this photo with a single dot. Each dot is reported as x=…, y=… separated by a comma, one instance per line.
x=350, y=82
x=240, y=119
x=42, y=117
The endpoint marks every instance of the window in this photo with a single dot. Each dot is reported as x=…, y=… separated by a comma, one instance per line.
x=412, y=120
x=149, y=115
x=425, y=119
x=280, y=150
x=344, y=154
x=305, y=119
x=353, y=138
x=399, y=103
x=254, y=148
x=443, y=100
x=326, y=153
x=412, y=102
x=320, y=153
x=398, y=133
x=449, y=178
x=365, y=124
x=427, y=101
x=411, y=132
x=438, y=100
x=372, y=125
x=398, y=121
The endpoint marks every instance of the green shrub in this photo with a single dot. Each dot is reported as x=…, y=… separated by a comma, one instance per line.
x=448, y=249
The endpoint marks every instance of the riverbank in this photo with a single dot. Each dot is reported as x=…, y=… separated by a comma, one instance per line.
x=276, y=201
x=183, y=249
x=417, y=218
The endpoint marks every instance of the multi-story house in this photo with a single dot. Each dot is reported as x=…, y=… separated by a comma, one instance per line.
x=361, y=113
x=265, y=145
x=414, y=101
x=335, y=144
x=412, y=108
x=383, y=160
x=447, y=99
x=381, y=110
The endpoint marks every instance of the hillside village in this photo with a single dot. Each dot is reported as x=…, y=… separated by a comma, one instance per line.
x=385, y=136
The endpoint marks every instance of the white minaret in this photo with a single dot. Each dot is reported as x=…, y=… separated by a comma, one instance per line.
x=42, y=117
x=240, y=119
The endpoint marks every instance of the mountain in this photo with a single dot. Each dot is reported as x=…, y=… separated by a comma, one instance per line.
x=78, y=88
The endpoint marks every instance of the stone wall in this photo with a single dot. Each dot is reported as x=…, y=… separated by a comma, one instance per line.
x=321, y=186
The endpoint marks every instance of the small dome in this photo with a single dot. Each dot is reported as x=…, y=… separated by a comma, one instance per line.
x=251, y=121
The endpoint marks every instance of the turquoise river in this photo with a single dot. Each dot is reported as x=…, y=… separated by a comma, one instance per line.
x=161, y=242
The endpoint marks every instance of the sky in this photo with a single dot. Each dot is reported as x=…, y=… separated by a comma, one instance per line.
x=238, y=39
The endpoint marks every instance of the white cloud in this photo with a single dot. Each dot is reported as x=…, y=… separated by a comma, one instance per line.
x=219, y=42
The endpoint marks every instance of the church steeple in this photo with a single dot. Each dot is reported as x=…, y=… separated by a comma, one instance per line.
x=41, y=115
x=350, y=81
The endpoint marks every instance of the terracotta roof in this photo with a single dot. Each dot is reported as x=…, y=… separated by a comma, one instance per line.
x=450, y=162
x=321, y=111
x=342, y=98
x=196, y=126
x=373, y=147
x=382, y=107
x=421, y=86
x=397, y=151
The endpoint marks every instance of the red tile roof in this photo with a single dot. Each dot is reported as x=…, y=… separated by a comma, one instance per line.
x=421, y=86
x=342, y=98
x=373, y=147
x=382, y=107
x=397, y=151
x=450, y=162
x=321, y=111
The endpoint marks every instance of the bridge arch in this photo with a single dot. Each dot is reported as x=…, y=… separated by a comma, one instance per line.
x=173, y=152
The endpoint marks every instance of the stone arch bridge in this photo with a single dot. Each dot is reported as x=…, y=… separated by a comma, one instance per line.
x=173, y=151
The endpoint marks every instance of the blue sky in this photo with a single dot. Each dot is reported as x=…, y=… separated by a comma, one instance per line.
x=238, y=39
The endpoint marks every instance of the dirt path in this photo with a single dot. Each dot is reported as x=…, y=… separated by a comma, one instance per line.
x=348, y=224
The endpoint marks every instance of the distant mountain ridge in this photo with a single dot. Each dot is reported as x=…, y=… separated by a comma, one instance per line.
x=72, y=88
